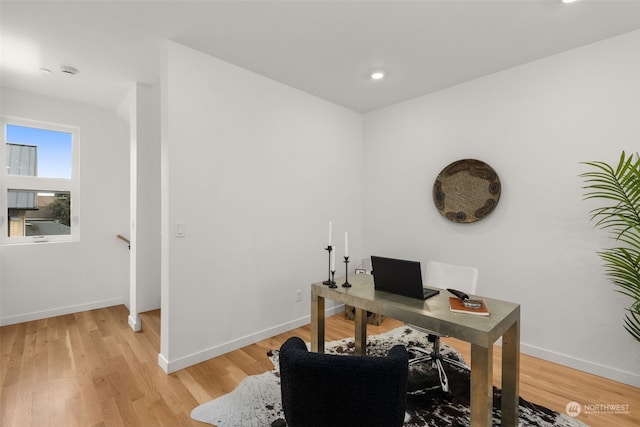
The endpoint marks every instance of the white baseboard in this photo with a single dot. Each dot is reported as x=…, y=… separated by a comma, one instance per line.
x=136, y=324
x=170, y=366
x=630, y=378
x=59, y=311
x=164, y=363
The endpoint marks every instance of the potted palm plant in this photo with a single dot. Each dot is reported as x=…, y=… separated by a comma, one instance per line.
x=619, y=190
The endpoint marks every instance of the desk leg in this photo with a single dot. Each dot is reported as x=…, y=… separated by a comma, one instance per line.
x=510, y=375
x=317, y=323
x=361, y=331
x=481, y=386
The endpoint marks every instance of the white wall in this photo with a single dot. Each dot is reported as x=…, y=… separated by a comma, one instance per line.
x=47, y=279
x=533, y=124
x=143, y=105
x=255, y=170
x=148, y=198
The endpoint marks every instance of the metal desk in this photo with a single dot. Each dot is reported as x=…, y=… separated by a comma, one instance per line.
x=434, y=314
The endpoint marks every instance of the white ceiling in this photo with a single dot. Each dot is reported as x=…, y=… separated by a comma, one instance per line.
x=326, y=48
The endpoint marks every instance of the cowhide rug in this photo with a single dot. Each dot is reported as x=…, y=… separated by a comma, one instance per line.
x=256, y=401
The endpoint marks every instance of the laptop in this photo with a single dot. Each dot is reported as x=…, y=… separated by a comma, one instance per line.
x=401, y=277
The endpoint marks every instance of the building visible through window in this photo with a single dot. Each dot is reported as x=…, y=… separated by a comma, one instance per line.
x=39, y=182
x=34, y=213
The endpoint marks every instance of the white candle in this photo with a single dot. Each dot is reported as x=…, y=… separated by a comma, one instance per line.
x=346, y=244
x=329, y=233
x=333, y=259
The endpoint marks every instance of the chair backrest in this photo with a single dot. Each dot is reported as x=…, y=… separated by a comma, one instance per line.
x=444, y=275
x=329, y=390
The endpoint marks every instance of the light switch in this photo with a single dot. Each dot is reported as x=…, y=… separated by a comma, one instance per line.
x=179, y=229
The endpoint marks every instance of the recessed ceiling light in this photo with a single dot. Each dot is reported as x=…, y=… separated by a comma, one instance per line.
x=569, y=1
x=377, y=75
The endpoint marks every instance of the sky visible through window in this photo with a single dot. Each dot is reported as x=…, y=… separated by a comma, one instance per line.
x=54, y=149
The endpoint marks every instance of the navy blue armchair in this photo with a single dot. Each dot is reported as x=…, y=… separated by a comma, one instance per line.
x=329, y=390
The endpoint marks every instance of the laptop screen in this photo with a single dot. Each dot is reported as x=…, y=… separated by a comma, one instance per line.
x=397, y=276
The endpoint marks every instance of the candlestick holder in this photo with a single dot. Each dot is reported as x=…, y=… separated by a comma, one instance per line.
x=333, y=282
x=346, y=283
x=329, y=280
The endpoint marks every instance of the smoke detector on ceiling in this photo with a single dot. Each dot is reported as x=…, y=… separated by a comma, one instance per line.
x=65, y=69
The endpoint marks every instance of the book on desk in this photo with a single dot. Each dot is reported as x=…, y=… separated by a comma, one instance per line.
x=455, y=305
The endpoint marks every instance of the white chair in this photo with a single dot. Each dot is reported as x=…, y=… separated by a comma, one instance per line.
x=443, y=275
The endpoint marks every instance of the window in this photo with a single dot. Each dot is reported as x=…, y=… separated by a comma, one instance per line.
x=40, y=182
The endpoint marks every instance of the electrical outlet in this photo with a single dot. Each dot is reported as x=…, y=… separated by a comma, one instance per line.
x=298, y=295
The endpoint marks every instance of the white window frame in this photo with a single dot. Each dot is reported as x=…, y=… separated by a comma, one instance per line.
x=40, y=184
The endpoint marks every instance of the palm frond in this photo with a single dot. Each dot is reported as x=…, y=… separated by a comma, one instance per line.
x=632, y=322
x=619, y=190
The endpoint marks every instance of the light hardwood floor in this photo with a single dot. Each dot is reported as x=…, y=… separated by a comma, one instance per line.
x=90, y=369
